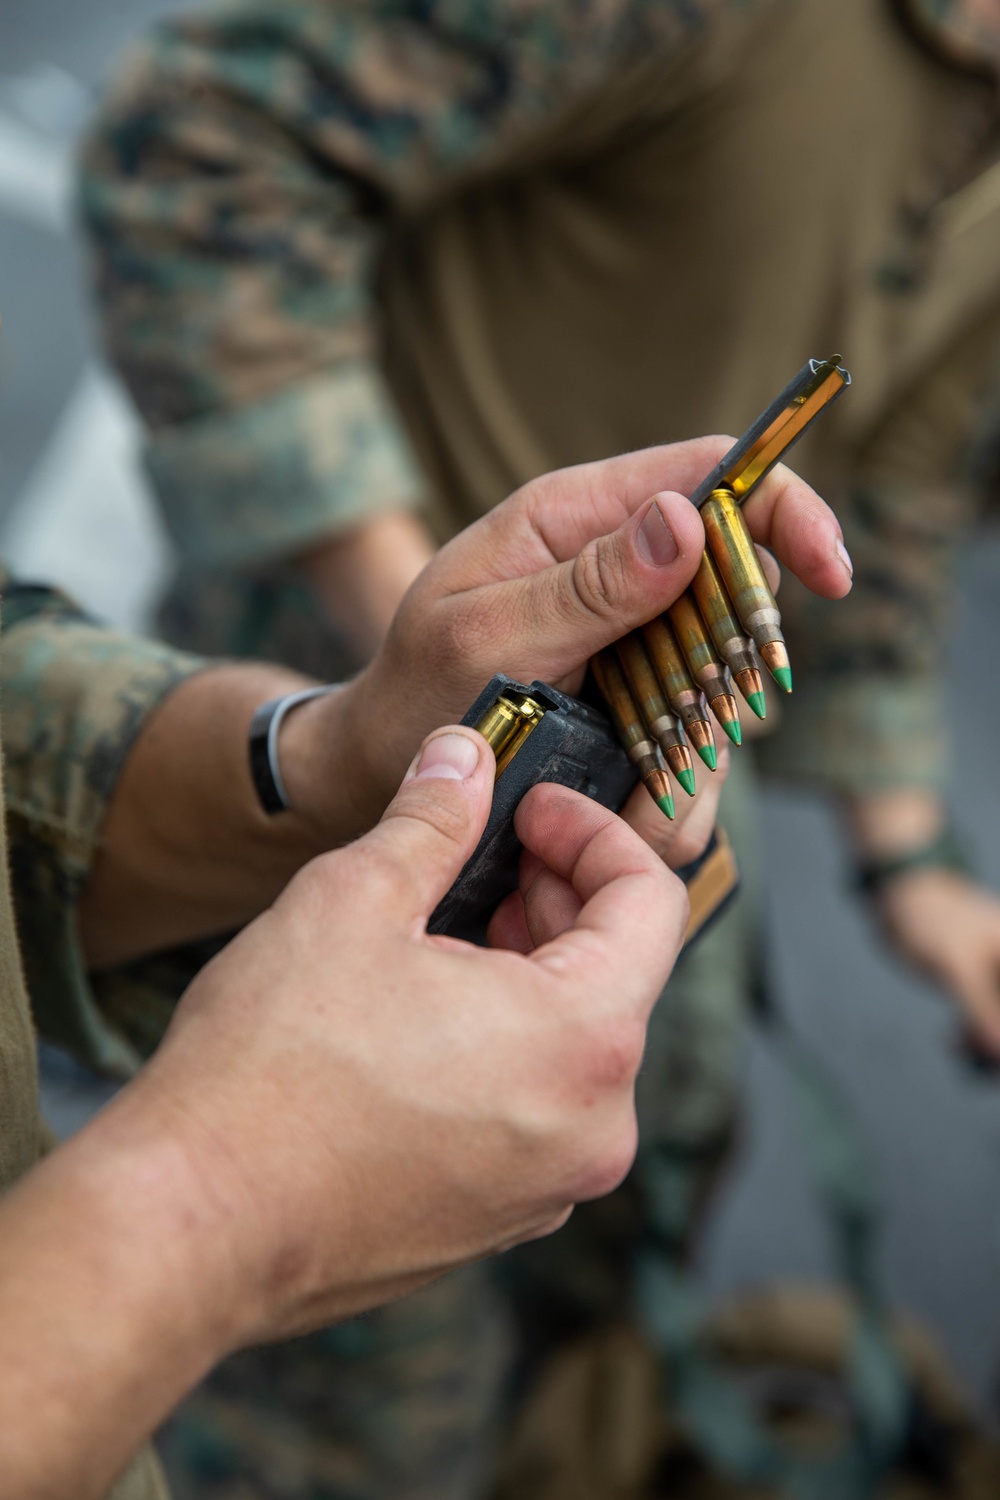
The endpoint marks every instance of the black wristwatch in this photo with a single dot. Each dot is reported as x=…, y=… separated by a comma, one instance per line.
x=946, y=851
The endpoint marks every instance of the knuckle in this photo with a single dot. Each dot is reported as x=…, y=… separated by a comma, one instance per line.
x=443, y=641
x=597, y=580
x=375, y=868
x=322, y=879
x=434, y=802
x=612, y=1053
x=460, y=633
x=611, y=1161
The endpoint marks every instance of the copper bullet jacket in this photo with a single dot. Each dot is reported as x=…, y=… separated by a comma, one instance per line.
x=740, y=568
x=699, y=732
x=775, y=656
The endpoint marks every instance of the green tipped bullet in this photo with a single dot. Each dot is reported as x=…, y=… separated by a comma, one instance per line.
x=756, y=702
x=732, y=728
x=686, y=779
x=708, y=755
x=666, y=805
x=783, y=677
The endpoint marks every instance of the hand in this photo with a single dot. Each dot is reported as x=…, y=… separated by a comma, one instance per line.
x=564, y=567
x=948, y=926
x=940, y=921
x=392, y=1104
x=545, y=904
x=342, y=1109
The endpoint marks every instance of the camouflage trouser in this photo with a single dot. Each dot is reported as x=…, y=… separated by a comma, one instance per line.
x=409, y=1403
x=404, y=1403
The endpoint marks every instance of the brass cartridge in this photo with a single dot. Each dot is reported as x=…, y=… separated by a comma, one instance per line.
x=727, y=634
x=664, y=726
x=744, y=579
x=686, y=700
x=640, y=749
x=507, y=725
x=705, y=667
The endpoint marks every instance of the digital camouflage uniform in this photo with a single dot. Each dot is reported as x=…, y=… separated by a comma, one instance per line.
x=358, y=256
x=74, y=698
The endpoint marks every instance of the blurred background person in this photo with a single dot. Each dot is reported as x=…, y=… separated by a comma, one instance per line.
x=549, y=224
x=364, y=272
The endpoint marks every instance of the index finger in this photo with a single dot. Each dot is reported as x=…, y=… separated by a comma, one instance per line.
x=629, y=929
x=787, y=516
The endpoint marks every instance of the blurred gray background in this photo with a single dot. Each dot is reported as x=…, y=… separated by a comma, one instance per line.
x=73, y=509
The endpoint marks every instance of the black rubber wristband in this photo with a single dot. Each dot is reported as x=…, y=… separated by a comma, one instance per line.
x=945, y=852
x=265, y=768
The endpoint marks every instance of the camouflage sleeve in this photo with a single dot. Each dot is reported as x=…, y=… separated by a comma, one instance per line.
x=870, y=709
x=75, y=695
x=237, y=188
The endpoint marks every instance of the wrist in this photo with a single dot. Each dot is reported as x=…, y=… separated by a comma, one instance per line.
x=327, y=765
x=146, y=1159
x=945, y=853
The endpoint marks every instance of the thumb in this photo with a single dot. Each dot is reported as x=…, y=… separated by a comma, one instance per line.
x=615, y=582
x=435, y=820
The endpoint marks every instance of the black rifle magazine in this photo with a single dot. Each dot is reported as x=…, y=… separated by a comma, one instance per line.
x=574, y=745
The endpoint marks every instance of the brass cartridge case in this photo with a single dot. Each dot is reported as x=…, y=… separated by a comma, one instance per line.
x=740, y=568
x=727, y=635
x=507, y=725
x=691, y=634
x=645, y=688
x=640, y=749
x=745, y=581
x=686, y=700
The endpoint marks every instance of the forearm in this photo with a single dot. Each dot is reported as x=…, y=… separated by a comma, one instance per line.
x=888, y=823
x=114, y=1301
x=362, y=574
x=186, y=849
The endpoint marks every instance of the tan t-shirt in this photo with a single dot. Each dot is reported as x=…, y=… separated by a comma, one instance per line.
x=659, y=262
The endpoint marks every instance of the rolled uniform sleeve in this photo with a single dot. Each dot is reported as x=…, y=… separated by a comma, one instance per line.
x=253, y=483
x=75, y=696
x=238, y=188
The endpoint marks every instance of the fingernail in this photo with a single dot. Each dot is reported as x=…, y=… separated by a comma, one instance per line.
x=451, y=757
x=655, y=540
x=845, y=558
